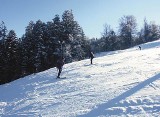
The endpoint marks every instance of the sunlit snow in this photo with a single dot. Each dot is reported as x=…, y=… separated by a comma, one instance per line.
x=119, y=83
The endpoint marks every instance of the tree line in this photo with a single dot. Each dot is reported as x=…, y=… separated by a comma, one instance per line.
x=127, y=35
x=43, y=43
x=40, y=47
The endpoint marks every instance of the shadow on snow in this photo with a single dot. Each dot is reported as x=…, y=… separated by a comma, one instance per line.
x=100, y=110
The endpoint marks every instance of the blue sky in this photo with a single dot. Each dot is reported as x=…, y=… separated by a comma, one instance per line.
x=90, y=14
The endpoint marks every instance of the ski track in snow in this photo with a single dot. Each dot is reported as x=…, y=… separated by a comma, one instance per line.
x=119, y=83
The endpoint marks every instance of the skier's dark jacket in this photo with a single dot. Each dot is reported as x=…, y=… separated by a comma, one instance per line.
x=91, y=55
x=60, y=63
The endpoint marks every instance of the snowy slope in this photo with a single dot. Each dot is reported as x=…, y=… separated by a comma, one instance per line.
x=120, y=83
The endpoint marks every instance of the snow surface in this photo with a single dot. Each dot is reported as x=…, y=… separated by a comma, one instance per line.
x=119, y=83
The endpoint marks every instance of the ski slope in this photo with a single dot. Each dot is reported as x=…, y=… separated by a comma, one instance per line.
x=119, y=83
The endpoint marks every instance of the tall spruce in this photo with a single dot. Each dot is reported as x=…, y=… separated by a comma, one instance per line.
x=78, y=43
x=39, y=49
x=28, y=45
x=127, y=30
x=3, y=33
x=68, y=25
x=12, y=56
x=73, y=38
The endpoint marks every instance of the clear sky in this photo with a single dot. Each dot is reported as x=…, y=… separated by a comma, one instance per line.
x=90, y=14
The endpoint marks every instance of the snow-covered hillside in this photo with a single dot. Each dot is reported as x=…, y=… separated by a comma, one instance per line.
x=120, y=83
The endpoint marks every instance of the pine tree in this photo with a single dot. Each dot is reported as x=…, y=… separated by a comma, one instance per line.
x=68, y=25
x=109, y=38
x=3, y=32
x=146, y=31
x=28, y=45
x=127, y=30
x=73, y=37
x=39, y=50
x=12, y=57
x=151, y=31
x=154, y=31
x=78, y=43
x=57, y=36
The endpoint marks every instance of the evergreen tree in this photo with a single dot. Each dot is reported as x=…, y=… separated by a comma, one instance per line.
x=154, y=31
x=57, y=36
x=68, y=25
x=73, y=38
x=39, y=49
x=28, y=45
x=3, y=32
x=140, y=38
x=127, y=30
x=106, y=38
x=109, y=38
x=151, y=31
x=146, y=31
x=78, y=40
x=12, y=57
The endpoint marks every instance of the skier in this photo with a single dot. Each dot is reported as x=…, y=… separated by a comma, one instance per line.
x=140, y=47
x=91, y=56
x=59, y=65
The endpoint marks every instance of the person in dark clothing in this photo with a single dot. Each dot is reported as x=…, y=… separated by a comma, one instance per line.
x=140, y=47
x=59, y=65
x=91, y=56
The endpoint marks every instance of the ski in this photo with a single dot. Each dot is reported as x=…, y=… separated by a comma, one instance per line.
x=61, y=78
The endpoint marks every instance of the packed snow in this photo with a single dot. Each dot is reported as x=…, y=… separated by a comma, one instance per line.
x=119, y=83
